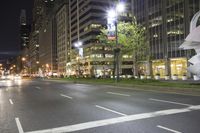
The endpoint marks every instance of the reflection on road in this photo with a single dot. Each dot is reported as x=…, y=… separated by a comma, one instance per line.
x=9, y=83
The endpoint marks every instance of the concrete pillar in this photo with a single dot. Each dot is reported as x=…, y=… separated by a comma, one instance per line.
x=167, y=66
x=149, y=70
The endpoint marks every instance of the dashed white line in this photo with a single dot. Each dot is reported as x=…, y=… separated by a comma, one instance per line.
x=120, y=94
x=19, y=126
x=113, y=111
x=38, y=88
x=106, y=122
x=11, y=102
x=158, y=100
x=65, y=96
x=168, y=129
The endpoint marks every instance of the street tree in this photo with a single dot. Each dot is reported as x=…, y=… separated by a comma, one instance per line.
x=132, y=41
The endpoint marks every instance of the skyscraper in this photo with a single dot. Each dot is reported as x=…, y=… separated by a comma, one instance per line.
x=38, y=15
x=24, y=40
x=87, y=17
x=24, y=30
x=167, y=23
x=62, y=37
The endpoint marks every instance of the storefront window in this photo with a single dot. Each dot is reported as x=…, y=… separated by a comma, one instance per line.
x=158, y=67
x=179, y=66
x=142, y=68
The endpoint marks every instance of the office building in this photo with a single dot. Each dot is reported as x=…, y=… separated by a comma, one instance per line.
x=62, y=37
x=24, y=30
x=86, y=19
x=167, y=23
x=24, y=41
x=38, y=16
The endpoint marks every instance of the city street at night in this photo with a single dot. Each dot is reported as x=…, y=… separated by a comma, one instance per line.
x=100, y=66
x=42, y=106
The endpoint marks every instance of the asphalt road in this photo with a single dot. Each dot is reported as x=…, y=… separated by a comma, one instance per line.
x=39, y=106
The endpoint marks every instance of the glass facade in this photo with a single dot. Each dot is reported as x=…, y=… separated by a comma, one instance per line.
x=178, y=66
x=167, y=23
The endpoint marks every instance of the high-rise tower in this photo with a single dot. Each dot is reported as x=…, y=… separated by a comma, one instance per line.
x=24, y=30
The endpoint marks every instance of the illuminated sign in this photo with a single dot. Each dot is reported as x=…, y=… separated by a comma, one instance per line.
x=111, y=28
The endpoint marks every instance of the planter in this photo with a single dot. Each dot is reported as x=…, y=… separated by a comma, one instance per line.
x=196, y=77
x=142, y=77
x=167, y=77
x=174, y=77
x=184, y=77
x=157, y=77
x=148, y=77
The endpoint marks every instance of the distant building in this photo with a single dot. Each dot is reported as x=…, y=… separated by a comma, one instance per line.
x=24, y=40
x=62, y=37
x=24, y=30
x=38, y=16
x=46, y=31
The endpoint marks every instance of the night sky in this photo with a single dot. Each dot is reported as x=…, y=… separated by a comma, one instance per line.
x=9, y=24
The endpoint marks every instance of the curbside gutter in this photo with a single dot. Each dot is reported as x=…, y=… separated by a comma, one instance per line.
x=150, y=88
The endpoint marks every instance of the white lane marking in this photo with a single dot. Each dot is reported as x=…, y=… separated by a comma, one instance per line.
x=38, y=88
x=11, y=102
x=106, y=122
x=158, y=100
x=155, y=91
x=113, y=111
x=65, y=96
x=168, y=129
x=120, y=94
x=19, y=126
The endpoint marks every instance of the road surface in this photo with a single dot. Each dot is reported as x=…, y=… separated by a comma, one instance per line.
x=38, y=106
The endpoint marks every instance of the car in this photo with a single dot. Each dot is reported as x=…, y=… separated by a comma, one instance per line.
x=17, y=77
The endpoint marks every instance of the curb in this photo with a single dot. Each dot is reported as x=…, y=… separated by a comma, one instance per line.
x=150, y=88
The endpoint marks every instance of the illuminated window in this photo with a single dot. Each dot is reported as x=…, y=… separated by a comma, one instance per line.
x=177, y=32
x=108, y=56
x=178, y=66
x=170, y=20
x=95, y=25
x=155, y=35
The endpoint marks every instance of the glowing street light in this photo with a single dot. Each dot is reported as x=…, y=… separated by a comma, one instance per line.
x=112, y=13
x=113, y=32
x=47, y=65
x=120, y=7
x=80, y=51
x=78, y=45
x=23, y=59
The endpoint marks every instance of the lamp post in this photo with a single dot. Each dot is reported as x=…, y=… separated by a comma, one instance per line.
x=113, y=18
x=23, y=64
x=80, y=51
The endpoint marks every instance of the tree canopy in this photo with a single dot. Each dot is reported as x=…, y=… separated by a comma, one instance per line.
x=131, y=36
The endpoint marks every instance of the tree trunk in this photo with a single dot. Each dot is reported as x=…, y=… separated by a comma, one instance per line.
x=149, y=68
x=135, y=69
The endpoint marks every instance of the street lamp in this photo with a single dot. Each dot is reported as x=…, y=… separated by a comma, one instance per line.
x=80, y=51
x=113, y=16
x=23, y=59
